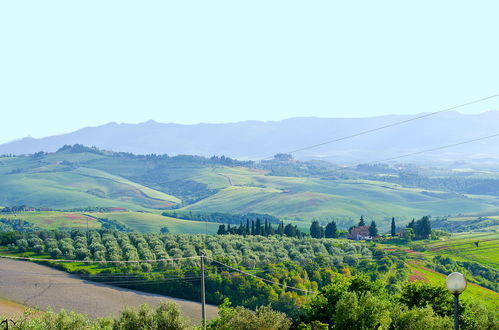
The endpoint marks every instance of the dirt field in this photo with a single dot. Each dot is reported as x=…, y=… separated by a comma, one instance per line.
x=9, y=309
x=42, y=287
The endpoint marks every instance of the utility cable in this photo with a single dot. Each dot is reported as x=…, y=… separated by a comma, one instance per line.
x=437, y=148
x=390, y=125
x=260, y=278
x=96, y=261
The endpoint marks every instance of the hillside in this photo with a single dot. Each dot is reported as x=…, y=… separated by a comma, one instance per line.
x=256, y=140
x=78, y=177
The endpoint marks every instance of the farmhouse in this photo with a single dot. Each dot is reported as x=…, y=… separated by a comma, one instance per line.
x=359, y=233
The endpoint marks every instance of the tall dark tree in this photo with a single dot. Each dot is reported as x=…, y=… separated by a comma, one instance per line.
x=331, y=230
x=258, y=227
x=393, y=228
x=253, y=227
x=290, y=230
x=373, y=230
x=315, y=230
x=280, y=229
x=271, y=229
x=241, y=228
x=422, y=228
x=248, y=229
x=361, y=221
x=411, y=224
x=221, y=230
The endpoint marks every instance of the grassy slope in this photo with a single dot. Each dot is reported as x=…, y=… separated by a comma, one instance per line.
x=290, y=197
x=150, y=222
x=462, y=247
x=473, y=291
x=59, y=186
x=458, y=247
x=55, y=220
x=142, y=222
x=100, y=181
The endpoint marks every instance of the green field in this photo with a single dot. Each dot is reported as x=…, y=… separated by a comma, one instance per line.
x=473, y=291
x=150, y=222
x=139, y=221
x=56, y=220
x=462, y=247
x=307, y=198
x=459, y=247
x=58, y=185
x=67, y=180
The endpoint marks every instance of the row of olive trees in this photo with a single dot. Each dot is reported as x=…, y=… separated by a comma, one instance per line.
x=252, y=251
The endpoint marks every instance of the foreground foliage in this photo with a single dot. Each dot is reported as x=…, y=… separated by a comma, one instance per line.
x=347, y=303
x=166, y=316
x=359, y=303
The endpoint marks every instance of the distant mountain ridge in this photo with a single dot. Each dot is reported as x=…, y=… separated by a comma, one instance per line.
x=257, y=140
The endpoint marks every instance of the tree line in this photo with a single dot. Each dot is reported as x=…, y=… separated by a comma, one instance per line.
x=220, y=217
x=259, y=228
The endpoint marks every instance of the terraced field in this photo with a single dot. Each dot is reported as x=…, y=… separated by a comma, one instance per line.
x=473, y=291
x=461, y=248
x=479, y=247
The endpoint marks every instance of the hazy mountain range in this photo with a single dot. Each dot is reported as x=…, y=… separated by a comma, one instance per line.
x=257, y=139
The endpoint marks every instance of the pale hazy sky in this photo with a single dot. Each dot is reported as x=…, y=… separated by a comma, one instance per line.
x=69, y=64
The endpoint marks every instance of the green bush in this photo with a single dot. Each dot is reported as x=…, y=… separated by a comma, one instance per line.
x=264, y=318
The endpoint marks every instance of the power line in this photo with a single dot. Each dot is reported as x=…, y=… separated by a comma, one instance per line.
x=437, y=148
x=390, y=125
x=95, y=261
x=260, y=278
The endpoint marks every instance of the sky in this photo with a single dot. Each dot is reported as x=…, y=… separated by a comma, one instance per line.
x=65, y=65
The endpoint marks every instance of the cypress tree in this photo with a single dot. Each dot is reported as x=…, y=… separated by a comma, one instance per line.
x=373, y=230
x=252, y=227
x=331, y=230
x=221, y=230
x=280, y=229
x=315, y=230
x=240, y=230
x=271, y=229
x=258, y=227
x=361, y=222
x=393, y=228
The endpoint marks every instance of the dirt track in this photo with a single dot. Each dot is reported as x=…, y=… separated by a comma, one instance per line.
x=42, y=287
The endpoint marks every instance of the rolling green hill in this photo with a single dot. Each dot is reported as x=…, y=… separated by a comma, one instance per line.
x=140, y=221
x=57, y=185
x=77, y=177
x=307, y=198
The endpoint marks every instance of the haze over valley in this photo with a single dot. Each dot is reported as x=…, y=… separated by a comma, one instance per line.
x=254, y=140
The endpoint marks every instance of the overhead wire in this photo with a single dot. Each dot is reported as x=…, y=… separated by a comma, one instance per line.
x=96, y=261
x=390, y=125
x=436, y=148
x=261, y=278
